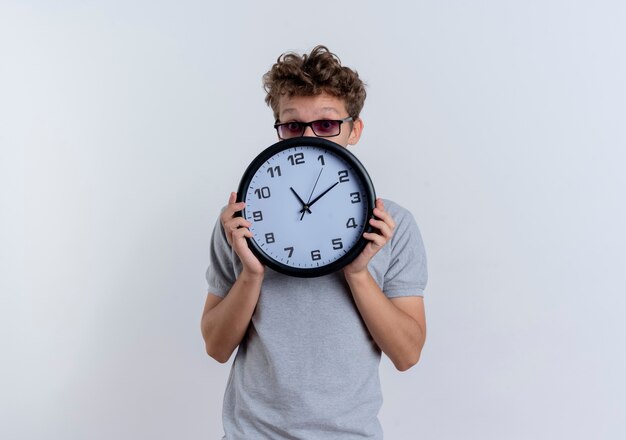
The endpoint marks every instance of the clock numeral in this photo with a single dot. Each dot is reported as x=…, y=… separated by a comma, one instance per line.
x=296, y=159
x=351, y=223
x=337, y=244
x=316, y=255
x=290, y=250
x=274, y=172
x=343, y=176
x=269, y=238
x=321, y=159
x=355, y=197
x=257, y=216
x=263, y=193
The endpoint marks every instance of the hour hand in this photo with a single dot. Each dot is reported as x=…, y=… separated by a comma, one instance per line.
x=305, y=207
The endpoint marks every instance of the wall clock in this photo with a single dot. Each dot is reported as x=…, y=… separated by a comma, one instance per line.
x=309, y=201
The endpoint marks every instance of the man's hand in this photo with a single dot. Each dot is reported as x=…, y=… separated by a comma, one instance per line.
x=236, y=230
x=384, y=227
x=397, y=325
x=225, y=320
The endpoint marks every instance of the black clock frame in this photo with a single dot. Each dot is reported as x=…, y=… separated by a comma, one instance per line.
x=357, y=167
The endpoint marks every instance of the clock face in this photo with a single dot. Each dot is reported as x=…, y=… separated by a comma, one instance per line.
x=309, y=201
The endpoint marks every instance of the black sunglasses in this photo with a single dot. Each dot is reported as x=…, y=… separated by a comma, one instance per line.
x=321, y=128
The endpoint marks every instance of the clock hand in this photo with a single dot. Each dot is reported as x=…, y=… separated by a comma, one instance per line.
x=304, y=205
x=317, y=180
x=310, y=195
x=320, y=196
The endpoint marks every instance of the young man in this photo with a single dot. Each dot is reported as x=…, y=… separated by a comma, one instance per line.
x=309, y=349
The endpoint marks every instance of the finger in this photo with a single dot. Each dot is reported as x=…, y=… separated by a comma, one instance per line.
x=231, y=208
x=241, y=234
x=232, y=201
x=240, y=245
x=376, y=240
x=384, y=229
x=232, y=225
x=383, y=215
x=235, y=223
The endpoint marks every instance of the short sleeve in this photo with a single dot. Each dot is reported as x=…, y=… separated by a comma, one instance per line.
x=221, y=273
x=407, y=273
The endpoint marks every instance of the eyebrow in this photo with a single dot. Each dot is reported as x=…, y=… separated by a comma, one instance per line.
x=289, y=111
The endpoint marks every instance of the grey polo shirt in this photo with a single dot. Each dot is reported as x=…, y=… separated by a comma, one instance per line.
x=307, y=367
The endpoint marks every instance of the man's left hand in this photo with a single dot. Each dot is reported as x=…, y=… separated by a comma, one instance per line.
x=383, y=231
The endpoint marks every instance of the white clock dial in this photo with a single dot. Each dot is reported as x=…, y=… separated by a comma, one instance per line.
x=308, y=204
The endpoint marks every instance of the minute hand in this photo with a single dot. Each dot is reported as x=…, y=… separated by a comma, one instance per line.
x=320, y=196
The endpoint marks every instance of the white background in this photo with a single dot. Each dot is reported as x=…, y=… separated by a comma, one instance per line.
x=125, y=124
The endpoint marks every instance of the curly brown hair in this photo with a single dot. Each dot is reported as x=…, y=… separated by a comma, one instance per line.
x=310, y=75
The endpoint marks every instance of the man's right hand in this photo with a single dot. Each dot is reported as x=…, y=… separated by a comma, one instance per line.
x=236, y=229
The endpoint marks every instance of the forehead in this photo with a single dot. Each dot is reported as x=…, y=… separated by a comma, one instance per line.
x=311, y=107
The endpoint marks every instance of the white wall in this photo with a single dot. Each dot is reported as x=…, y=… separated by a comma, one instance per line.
x=500, y=124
